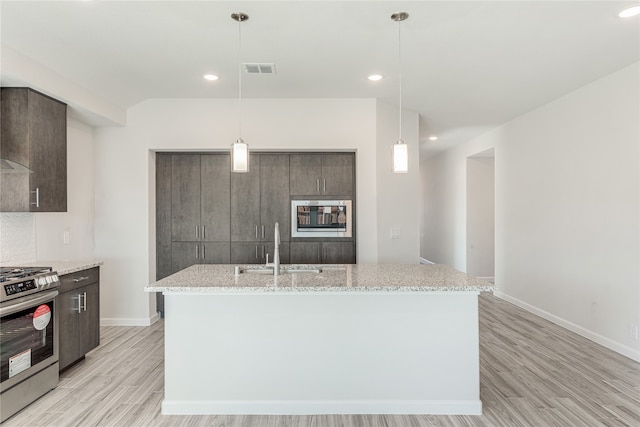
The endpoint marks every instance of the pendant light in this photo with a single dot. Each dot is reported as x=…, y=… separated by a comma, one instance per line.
x=239, y=149
x=400, y=149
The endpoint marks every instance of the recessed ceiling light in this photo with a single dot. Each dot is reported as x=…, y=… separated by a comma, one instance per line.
x=375, y=77
x=210, y=77
x=630, y=11
x=433, y=138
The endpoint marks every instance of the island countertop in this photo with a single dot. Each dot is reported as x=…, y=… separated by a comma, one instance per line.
x=221, y=279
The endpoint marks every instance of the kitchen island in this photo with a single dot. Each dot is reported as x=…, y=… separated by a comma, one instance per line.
x=351, y=339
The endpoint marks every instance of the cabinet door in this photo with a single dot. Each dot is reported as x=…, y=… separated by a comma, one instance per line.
x=214, y=253
x=48, y=156
x=256, y=252
x=215, y=214
x=68, y=306
x=245, y=203
x=247, y=252
x=274, y=196
x=184, y=254
x=34, y=134
x=338, y=253
x=337, y=174
x=305, y=174
x=89, y=317
x=185, y=197
x=305, y=252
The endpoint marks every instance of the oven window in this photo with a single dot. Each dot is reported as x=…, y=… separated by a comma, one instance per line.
x=26, y=339
x=322, y=218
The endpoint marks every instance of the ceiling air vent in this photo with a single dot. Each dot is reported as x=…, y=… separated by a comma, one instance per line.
x=255, y=68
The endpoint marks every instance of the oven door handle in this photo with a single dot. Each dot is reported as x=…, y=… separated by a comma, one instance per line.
x=14, y=308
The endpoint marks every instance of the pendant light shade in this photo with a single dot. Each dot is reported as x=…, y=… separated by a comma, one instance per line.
x=239, y=156
x=400, y=149
x=239, y=149
x=400, y=157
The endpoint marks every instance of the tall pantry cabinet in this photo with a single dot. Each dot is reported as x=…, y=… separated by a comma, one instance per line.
x=192, y=210
x=259, y=199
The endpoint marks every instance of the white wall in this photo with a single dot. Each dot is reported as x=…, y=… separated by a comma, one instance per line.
x=481, y=216
x=124, y=176
x=567, y=209
x=31, y=237
x=398, y=195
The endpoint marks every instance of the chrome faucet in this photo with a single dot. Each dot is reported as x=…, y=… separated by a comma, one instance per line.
x=276, y=251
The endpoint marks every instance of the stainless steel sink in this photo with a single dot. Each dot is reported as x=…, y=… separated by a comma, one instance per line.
x=269, y=270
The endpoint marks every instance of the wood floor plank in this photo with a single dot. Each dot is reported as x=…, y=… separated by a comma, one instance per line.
x=532, y=373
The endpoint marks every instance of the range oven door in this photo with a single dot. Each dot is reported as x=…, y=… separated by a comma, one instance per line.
x=28, y=337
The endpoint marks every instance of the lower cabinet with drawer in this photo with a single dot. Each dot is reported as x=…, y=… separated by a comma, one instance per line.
x=79, y=315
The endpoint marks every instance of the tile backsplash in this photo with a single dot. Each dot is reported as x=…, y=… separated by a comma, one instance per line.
x=17, y=238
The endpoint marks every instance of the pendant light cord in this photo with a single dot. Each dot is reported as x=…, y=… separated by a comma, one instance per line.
x=400, y=81
x=240, y=77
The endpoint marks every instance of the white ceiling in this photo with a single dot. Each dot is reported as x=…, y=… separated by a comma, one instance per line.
x=468, y=66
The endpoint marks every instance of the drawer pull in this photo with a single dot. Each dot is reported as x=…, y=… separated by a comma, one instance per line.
x=80, y=279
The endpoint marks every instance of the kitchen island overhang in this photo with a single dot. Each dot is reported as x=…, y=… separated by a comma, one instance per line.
x=339, y=342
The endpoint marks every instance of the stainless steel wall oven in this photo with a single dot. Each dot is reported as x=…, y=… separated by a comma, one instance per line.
x=321, y=218
x=28, y=336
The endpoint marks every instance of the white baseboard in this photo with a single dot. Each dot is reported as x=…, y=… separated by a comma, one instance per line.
x=425, y=261
x=131, y=321
x=314, y=407
x=631, y=353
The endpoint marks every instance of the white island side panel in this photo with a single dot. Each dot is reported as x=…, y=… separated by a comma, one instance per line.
x=322, y=353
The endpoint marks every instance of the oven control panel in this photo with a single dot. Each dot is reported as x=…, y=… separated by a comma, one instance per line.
x=16, y=288
x=41, y=282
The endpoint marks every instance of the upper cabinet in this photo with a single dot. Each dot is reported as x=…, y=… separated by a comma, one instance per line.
x=200, y=197
x=260, y=198
x=34, y=134
x=322, y=174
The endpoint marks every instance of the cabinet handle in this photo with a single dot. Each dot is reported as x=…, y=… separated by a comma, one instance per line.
x=324, y=185
x=262, y=252
x=203, y=231
x=318, y=185
x=197, y=234
x=197, y=251
x=203, y=252
x=79, y=303
x=37, y=193
x=84, y=299
x=263, y=231
x=256, y=237
x=256, y=246
x=80, y=279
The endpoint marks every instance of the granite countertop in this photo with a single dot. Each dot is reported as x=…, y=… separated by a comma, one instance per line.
x=63, y=267
x=220, y=279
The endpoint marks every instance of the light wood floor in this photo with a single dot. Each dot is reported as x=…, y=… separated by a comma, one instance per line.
x=533, y=373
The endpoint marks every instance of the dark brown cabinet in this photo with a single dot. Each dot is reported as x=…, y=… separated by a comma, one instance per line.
x=257, y=252
x=323, y=174
x=200, y=197
x=192, y=211
x=259, y=199
x=322, y=253
x=34, y=134
x=186, y=254
x=78, y=305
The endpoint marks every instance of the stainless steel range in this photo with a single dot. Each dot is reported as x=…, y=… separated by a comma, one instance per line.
x=28, y=336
